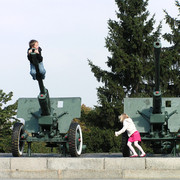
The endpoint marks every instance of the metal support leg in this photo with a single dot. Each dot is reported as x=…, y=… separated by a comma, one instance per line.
x=64, y=151
x=173, y=152
x=29, y=149
x=174, y=148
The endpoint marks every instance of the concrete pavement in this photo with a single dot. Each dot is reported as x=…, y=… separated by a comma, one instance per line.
x=113, y=166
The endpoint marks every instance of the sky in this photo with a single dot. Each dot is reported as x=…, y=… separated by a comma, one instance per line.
x=69, y=32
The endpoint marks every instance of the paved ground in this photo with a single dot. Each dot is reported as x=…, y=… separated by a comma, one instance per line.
x=88, y=179
x=87, y=155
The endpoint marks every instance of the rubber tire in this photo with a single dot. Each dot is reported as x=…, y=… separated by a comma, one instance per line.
x=17, y=146
x=125, y=148
x=74, y=152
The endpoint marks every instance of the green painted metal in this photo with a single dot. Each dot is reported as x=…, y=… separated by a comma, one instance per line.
x=144, y=105
x=45, y=103
x=29, y=110
x=157, y=102
x=29, y=149
x=157, y=118
x=45, y=120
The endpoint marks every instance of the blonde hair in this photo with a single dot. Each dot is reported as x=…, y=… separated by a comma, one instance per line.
x=122, y=117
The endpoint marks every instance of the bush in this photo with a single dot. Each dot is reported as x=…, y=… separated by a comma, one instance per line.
x=40, y=147
x=101, y=140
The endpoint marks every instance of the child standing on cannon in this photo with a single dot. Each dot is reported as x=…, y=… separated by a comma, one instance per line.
x=34, y=47
x=134, y=136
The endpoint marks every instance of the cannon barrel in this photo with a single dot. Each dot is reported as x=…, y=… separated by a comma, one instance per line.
x=44, y=100
x=157, y=100
x=157, y=51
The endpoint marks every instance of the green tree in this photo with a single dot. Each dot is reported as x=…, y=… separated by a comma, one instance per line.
x=130, y=40
x=101, y=140
x=7, y=119
x=170, y=67
x=96, y=139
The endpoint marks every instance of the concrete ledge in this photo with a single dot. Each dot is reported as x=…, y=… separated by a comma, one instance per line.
x=17, y=174
x=36, y=164
x=163, y=163
x=92, y=168
x=75, y=163
x=151, y=174
x=91, y=174
x=5, y=174
x=5, y=163
x=124, y=163
x=46, y=174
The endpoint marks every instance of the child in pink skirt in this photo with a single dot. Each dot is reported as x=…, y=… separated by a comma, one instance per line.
x=134, y=136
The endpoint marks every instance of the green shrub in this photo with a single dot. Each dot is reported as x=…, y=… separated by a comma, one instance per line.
x=101, y=140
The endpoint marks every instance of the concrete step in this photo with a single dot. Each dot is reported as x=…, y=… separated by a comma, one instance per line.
x=91, y=168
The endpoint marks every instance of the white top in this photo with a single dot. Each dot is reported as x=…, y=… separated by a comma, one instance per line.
x=128, y=125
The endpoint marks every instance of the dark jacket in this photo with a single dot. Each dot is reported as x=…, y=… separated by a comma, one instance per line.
x=39, y=57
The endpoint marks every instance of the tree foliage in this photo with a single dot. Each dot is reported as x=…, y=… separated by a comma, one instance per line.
x=7, y=119
x=170, y=64
x=131, y=63
x=129, y=41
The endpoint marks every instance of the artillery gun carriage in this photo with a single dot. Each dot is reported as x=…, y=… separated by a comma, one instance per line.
x=48, y=120
x=156, y=118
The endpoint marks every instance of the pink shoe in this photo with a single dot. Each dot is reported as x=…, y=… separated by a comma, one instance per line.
x=142, y=155
x=134, y=156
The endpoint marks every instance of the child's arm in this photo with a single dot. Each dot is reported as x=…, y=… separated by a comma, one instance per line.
x=39, y=56
x=28, y=55
x=117, y=133
x=30, y=51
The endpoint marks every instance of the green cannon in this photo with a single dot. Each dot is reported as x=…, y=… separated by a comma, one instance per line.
x=48, y=120
x=157, y=118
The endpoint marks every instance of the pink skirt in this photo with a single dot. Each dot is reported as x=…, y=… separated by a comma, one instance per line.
x=135, y=137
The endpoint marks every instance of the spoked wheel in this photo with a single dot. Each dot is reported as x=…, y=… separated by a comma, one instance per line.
x=75, y=140
x=17, y=144
x=125, y=148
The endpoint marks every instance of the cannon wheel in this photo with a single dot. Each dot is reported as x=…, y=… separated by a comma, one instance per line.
x=75, y=139
x=17, y=144
x=125, y=148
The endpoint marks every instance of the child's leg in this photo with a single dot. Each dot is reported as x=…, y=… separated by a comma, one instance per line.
x=33, y=71
x=42, y=70
x=139, y=147
x=131, y=148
